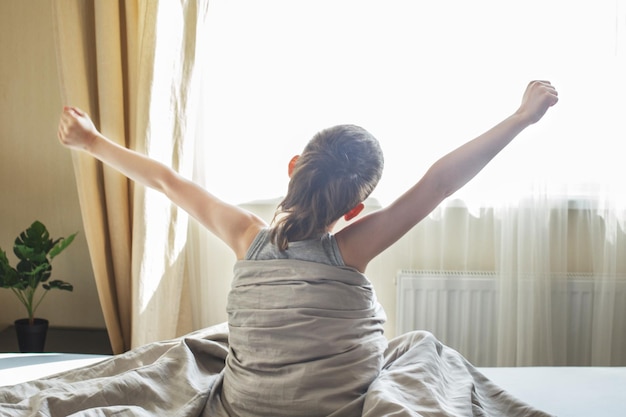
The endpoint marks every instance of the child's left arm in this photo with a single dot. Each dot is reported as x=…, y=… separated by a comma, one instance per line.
x=233, y=225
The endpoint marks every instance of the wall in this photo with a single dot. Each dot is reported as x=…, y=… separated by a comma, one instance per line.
x=36, y=174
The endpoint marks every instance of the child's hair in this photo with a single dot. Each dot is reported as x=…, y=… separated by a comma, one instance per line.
x=338, y=169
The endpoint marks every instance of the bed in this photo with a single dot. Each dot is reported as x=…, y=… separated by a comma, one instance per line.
x=561, y=391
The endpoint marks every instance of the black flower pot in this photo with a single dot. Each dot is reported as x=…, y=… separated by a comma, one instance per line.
x=31, y=338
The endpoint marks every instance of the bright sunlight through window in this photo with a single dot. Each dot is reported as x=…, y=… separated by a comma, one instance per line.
x=423, y=77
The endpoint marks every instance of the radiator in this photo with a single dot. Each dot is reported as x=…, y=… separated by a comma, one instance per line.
x=439, y=302
x=461, y=310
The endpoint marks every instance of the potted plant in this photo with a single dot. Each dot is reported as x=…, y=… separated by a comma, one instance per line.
x=35, y=250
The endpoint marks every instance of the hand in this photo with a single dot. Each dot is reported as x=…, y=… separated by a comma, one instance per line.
x=76, y=130
x=539, y=96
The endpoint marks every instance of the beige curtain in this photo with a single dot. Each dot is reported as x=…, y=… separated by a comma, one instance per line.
x=139, y=89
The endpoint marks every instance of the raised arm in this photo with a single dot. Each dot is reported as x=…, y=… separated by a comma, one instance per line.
x=233, y=225
x=363, y=240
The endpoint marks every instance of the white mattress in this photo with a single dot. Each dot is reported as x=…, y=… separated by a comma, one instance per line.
x=566, y=391
x=563, y=391
x=21, y=367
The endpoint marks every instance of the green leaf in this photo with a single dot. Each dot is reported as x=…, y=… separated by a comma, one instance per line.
x=60, y=285
x=34, y=273
x=9, y=277
x=33, y=244
x=61, y=244
x=4, y=261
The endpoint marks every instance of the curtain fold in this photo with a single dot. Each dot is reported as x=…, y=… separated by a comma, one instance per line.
x=166, y=120
x=131, y=66
x=531, y=242
x=85, y=60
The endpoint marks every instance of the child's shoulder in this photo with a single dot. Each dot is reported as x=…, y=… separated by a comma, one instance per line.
x=319, y=250
x=261, y=241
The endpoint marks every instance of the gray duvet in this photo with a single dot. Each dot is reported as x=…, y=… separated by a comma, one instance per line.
x=303, y=339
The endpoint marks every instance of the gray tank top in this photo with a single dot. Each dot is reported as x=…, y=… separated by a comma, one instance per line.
x=323, y=250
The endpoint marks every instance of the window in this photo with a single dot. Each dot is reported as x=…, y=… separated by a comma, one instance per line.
x=423, y=77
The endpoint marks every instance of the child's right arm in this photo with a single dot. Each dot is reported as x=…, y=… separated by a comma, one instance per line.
x=363, y=240
x=233, y=225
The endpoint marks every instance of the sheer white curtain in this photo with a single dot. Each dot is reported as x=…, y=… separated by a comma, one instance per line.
x=424, y=77
x=545, y=245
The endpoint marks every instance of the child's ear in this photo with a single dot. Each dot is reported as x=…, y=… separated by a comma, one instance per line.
x=354, y=212
x=292, y=165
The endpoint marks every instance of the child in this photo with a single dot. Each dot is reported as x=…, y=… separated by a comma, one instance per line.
x=301, y=314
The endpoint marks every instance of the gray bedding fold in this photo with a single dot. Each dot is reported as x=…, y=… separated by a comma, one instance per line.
x=294, y=347
x=305, y=338
x=169, y=378
x=423, y=377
